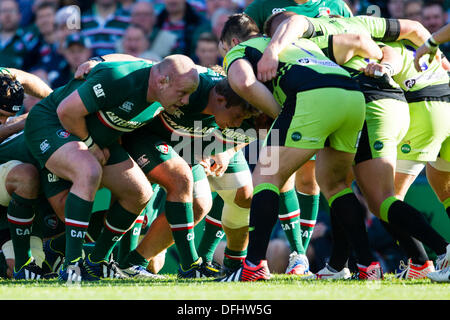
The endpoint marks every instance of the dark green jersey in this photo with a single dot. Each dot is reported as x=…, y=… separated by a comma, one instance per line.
x=115, y=95
x=302, y=66
x=14, y=148
x=260, y=10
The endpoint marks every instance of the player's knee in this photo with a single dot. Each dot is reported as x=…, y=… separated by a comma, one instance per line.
x=243, y=197
x=180, y=185
x=202, y=206
x=89, y=174
x=23, y=179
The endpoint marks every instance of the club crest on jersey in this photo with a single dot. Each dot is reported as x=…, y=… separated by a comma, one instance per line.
x=163, y=148
x=62, y=133
x=324, y=11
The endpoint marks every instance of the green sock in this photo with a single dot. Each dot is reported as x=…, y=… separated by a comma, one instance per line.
x=289, y=216
x=233, y=259
x=130, y=240
x=309, y=209
x=77, y=212
x=118, y=221
x=20, y=220
x=180, y=217
x=213, y=231
x=134, y=259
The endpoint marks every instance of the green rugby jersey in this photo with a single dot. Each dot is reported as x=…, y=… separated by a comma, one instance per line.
x=260, y=10
x=14, y=148
x=430, y=84
x=380, y=29
x=302, y=66
x=115, y=95
x=321, y=32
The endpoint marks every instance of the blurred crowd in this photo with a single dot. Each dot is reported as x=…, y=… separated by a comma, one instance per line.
x=51, y=38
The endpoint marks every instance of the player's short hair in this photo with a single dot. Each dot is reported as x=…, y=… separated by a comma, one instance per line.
x=432, y=3
x=274, y=21
x=239, y=26
x=208, y=37
x=11, y=93
x=45, y=5
x=233, y=99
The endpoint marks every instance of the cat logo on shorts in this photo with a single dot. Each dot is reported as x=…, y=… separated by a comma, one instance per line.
x=296, y=136
x=62, y=133
x=378, y=145
x=163, y=148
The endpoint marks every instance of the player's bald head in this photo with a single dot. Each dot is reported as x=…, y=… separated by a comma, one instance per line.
x=179, y=67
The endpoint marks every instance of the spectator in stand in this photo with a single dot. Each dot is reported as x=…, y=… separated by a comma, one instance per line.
x=143, y=15
x=218, y=19
x=354, y=5
x=434, y=17
x=182, y=20
x=75, y=51
x=136, y=43
x=207, y=51
x=46, y=45
x=126, y=5
x=213, y=5
x=14, y=49
x=104, y=24
x=396, y=9
x=413, y=10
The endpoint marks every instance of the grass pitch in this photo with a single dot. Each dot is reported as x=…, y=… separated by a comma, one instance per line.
x=281, y=287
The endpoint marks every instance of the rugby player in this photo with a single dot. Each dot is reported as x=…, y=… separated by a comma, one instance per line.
x=299, y=138
x=431, y=45
x=74, y=134
x=380, y=197
x=298, y=226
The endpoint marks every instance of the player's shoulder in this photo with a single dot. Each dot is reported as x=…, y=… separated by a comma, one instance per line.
x=110, y=71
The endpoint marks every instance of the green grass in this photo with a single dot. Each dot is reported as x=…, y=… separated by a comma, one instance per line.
x=281, y=287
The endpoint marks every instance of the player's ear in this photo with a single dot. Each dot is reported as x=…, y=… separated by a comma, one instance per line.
x=163, y=81
x=235, y=41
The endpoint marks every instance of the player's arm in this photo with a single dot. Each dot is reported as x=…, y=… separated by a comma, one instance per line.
x=285, y=28
x=346, y=46
x=243, y=81
x=390, y=64
x=32, y=84
x=72, y=114
x=431, y=46
x=12, y=126
x=413, y=31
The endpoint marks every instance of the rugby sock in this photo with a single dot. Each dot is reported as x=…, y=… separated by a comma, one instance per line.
x=134, y=259
x=263, y=217
x=213, y=231
x=340, y=248
x=289, y=215
x=118, y=221
x=412, y=247
x=406, y=218
x=130, y=240
x=77, y=214
x=309, y=209
x=180, y=217
x=350, y=213
x=20, y=220
x=233, y=259
x=446, y=204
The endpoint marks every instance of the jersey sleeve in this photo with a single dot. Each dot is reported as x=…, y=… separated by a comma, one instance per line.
x=382, y=29
x=255, y=11
x=346, y=11
x=104, y=88
x=238, y=52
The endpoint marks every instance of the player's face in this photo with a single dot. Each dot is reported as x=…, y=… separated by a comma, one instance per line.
x=230, y=117
x=176, y=94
